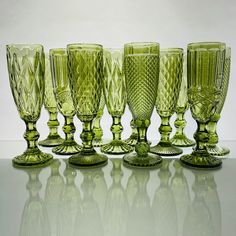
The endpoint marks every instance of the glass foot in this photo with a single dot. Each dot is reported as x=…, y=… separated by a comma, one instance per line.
x=217, y=150
x=182, y=141
x=51, y=141
x=117, y=147
x=90, y=159
x=35, y=158
x=133, y=160
x=201, y=160
x=100, y=142
x=132, y=141
x=166, y=149
x=67, y=148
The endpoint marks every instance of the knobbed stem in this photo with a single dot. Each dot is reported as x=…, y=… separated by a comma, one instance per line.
x=31, y=136
x=69, y=129
x=165, y=129
x=97, y=126
x=87, y=136
x=53, y=124
x=116, y=128
x=180, y=124
x=211, y=128
x=201, y=137
x=134, y=134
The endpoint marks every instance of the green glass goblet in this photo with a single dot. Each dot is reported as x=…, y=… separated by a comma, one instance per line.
x=53, y=139
x=180, y=139
x=115, y=97
x=212, y=146
x=171, y=68
x=205, y=75
x=61, y=87
x=141, y=67
x=26, y=74
x=85, y=67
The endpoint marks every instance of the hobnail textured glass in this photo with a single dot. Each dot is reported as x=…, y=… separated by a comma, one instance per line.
x=26, y=67
x=212, y=146
x=115, y=97
x=205, y=76
x=61, y=87
x=180, y=139
x=85, y=65
x=171, y=68
x=53, y=139
x=141, y=66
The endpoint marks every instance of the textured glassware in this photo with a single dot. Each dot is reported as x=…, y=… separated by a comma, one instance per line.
x=141, y=67
x=205, y=75
x=115, y=97
x=26, y=74
x=85, y=65
x=58, y=61
x=53, y=139
x=212, y=146
x=171, y=68
x=180, y=139
x=133, y=139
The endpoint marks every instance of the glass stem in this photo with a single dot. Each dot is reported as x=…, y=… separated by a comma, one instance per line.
x=69, y=128
x=31, y=136
x=53, y=124
x=180, y=123
x=165, y=129
x=116, y=127
x=97, y=126
x=211, y=128
x=201, y=137
x=87, y=136
x=134, y=134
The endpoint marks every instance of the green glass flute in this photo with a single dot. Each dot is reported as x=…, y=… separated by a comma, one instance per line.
x=85, y=67
x=26, y=67
x=61, y=87
x=141, y=67
x=171, y=68
x=180, y=139
x=115, y=97
x=53, y=138
x=205, y=75
x=212, y=146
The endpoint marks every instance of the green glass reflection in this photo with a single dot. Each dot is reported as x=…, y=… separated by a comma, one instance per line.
x=115, y=97
x=58, y=60
x=171, y=68
x=85, y=65
x=212, y=146
x=141, y=66
x=26, y=67
x=205, y=75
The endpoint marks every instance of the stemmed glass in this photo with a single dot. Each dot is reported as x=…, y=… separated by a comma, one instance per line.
x=171, y=68
x=58, y=60
x=26, y=67
x=85, y=67
x=212, y=146
x=133, y=138
x=53, y=139
x=141, y=67
x=115, y=97
x=205, y=75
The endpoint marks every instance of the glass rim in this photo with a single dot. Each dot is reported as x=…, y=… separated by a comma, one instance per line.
x=24, y=45
x=84, y=46
x=171, y=50
x=141, y=43
x=57, y=51
x=204, y=45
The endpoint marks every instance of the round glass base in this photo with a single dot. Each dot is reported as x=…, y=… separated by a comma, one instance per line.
x=67, y=148
x=51, y=141
x=182, y=141
x=149, y=161
x=133, y=140
x=166, y=149
x=100, y=142
x=116, y=147
x=217, y=150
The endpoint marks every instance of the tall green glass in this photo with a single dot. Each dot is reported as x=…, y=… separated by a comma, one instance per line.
x=180, y=139
x=58, y=60
x=205, y=75
x=85, y=67
x=26, y=74
x=212, y=146
x=171, y=68
x=115, y=97
x=141, y=67
x=53, y=139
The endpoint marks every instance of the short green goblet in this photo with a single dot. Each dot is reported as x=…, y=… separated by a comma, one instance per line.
x=115, y=97
x=53, y=139
x=61, y=87
x=212, y=146
x=180, y=139
x=205, y=76
x=26, y=65
x=171, y=68
x=141, y=67
x=85, y=67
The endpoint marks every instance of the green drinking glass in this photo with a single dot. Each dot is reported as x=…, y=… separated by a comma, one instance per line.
x=205, y=75
x=115, y=97
x=180, y=139
x=212, y=146
x=171, y=68
x=26, y=74
x=61, y=88
x=141, y=67
x=85, y=67
x=53, y=139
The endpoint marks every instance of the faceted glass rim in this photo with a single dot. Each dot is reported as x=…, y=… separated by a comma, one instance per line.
x=25, y=46
x=141, y=48
x=58, y=52
x=84, y=46
x=206, y=45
